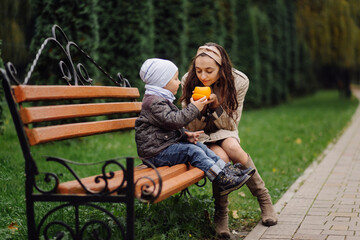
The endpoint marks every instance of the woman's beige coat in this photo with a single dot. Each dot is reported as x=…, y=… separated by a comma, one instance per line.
x=228, y=127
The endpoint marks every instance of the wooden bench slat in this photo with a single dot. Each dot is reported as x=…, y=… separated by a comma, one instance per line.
x=49, y=113
x=66, y=131
x=180, y=182
x=166, y=174
x=37, y=92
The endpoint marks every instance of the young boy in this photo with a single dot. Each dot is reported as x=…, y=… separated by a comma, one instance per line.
x=160, y=135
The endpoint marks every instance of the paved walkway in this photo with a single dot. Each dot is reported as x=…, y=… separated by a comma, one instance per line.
x=324, y=203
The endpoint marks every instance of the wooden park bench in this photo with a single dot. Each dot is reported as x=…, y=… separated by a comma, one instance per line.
x=38, y=120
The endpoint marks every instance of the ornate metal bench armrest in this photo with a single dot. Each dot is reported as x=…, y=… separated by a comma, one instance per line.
x=149, y=191
x=105, y=176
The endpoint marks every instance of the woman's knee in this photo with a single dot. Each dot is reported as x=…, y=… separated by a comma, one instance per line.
x=220, y=152
x=233, y=149
x=231, y=145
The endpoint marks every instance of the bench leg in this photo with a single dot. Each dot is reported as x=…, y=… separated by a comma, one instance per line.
x=130, y=215
x=32, y=235
x=130, y=221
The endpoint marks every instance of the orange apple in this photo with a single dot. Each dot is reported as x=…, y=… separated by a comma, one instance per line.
x=200, y=92
x=197, y=96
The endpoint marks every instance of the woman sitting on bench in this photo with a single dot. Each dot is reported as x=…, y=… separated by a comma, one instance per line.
x=211, y=67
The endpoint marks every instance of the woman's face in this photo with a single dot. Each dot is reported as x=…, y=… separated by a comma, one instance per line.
x=207, y=70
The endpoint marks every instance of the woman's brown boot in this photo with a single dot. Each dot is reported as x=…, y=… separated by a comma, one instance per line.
x=221, y=218
x=257, y=187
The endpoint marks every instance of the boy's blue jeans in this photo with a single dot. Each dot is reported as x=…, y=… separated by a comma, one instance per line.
x=198, y=155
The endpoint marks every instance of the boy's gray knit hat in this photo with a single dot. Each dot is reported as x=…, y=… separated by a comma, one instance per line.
x=157, y=72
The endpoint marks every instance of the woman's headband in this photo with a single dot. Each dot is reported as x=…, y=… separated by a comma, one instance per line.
x=211, y=51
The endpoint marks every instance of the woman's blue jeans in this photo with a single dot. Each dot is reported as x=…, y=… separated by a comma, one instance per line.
x=198, y=155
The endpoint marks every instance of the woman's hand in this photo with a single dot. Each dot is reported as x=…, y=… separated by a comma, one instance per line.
x=200, y=104
x=193, y=137
x=214, y=101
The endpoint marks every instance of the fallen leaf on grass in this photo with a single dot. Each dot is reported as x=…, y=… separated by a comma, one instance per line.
x=13, y=226
x=234, y=214
x=241, y=194
x=298, y=141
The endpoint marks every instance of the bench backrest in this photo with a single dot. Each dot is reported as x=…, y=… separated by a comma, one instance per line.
x=65, y=111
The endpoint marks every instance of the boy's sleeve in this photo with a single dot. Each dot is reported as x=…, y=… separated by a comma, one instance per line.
x=170, y=117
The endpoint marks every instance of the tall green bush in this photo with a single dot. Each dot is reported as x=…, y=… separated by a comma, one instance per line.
x=170, y=32
x=202, y=25
x=1, y=98
x=247, y=56
x=127, y=37
x=258, y=68
x=286, y=52
x=277, y=54
x=266, y=55
x=15, y=18
x=333, y=46
x=79, y=20
x=355, y=15
x=301, y=80
x=226, y=25
x=243, y=49
x=268, y=52
x=306, y=83
x=1, y=61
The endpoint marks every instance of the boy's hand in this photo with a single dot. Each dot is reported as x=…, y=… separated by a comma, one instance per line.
x=200, y=104
x=193, y=137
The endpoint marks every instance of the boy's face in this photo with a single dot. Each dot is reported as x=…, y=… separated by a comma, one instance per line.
x=173, y=84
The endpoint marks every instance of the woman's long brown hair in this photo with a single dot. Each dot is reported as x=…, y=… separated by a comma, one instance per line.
x=226, y=83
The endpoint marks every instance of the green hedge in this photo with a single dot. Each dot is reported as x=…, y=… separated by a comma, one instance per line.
x=1, y=98
x=79, y=20
x=263, y=38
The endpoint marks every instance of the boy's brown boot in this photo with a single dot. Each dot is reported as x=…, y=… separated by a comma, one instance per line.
x=221, y=219
x=257, y=187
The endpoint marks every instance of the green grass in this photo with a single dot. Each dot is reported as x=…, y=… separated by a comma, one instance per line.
x=282, y=141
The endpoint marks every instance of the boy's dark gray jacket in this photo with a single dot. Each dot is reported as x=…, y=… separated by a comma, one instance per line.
x=160, y=125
